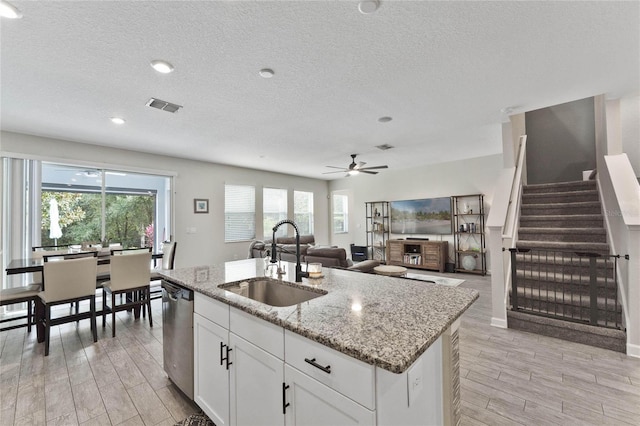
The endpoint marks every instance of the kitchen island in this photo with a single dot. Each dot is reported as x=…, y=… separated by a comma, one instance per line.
x=394, y=336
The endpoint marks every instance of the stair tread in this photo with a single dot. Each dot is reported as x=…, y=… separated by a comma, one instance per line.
x=554, y=245
x=583, y=183
x=592, y=216
x=565, y=204
x=590, y=191
x=563, y=230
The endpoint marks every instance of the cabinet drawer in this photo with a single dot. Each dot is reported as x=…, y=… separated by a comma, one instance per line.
x=261, y=333
x=352, y=378
x=211, y=309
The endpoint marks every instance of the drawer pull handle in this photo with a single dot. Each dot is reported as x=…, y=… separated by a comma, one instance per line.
x=313, y=362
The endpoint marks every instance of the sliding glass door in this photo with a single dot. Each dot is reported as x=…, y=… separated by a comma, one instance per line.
x=99, y=206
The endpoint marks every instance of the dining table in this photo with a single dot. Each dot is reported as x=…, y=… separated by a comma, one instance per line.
x=36, y=264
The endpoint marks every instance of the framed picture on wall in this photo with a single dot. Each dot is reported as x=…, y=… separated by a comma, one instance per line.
x=201, y=205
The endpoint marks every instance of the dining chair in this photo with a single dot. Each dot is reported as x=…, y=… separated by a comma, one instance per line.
x=28, y=292
x=168, y=258
x=104, y=270
x=21, y=294
x=68, y=279
x=130, y=274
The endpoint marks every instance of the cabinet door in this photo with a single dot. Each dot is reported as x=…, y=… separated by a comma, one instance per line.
x=312, y=403
x=396, y=251
x=256, y=385
x=211, y=379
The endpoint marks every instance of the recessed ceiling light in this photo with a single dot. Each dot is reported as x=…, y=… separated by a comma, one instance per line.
x=117, y=120
x=7, y=10
x=385, y=119
x=266, y=73
x=368, y=6
x=163, y=67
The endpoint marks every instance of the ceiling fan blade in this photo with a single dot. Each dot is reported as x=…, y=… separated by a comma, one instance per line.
x=337, y=171
x=374, y=168
x=336, y=167
x=368, y=172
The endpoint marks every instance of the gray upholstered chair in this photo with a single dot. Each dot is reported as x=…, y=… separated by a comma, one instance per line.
x=68, y=279
x=130, y=274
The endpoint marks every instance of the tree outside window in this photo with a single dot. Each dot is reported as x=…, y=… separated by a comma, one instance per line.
x=340, y=213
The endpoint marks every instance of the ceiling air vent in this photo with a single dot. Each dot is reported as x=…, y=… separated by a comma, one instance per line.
x=163, y=105
x=384, y=147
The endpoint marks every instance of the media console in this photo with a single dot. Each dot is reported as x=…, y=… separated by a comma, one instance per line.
x=418, y=254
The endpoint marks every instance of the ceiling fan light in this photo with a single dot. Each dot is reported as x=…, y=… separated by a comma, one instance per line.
x=353, y=172
x=163, y=67
x=7, y=10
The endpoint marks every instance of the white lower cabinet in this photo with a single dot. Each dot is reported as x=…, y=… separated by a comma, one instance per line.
x=211, y=376
x=251, y=372
x=256, y=385
x=312, y=403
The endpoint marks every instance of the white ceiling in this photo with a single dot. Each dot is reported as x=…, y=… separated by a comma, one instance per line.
x=442, y=70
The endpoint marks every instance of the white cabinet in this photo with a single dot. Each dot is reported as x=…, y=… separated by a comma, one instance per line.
x=312, y=403
x=249, y=371
x=211, y=374
x=256, y=385
x=211, y=358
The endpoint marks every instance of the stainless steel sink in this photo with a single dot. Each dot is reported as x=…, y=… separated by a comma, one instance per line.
x=272, y=292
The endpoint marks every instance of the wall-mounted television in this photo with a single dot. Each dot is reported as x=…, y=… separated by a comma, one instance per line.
x=425, y=216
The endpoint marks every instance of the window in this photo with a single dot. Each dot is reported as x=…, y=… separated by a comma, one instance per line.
x=274, y=209
x=303, y=211
x=85, y=205
x=239, y=213
x=340, y=213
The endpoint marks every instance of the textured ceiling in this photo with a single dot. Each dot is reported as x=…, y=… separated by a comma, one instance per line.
x=442, y=70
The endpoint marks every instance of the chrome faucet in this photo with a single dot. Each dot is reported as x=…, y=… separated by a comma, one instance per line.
x=299, y=273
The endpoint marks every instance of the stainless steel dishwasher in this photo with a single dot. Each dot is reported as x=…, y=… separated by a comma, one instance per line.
x=177, y=335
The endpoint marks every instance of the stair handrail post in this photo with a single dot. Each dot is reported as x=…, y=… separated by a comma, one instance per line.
x=514, y=280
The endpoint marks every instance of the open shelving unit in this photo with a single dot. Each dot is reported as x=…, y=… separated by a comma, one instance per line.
x=469, y=236
x=377, y=221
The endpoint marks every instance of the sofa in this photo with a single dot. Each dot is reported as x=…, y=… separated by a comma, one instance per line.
x=329, y=256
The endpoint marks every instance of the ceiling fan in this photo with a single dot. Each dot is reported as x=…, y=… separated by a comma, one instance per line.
x=354, y=169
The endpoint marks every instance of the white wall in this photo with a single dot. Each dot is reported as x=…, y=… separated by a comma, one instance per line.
x=193, y=179
x=630, y=130
x=471, y=176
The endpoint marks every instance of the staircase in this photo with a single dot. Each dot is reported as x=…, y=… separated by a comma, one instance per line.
x=562, y=246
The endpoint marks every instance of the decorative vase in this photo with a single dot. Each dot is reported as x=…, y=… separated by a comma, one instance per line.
x=469, y=263
x=465, y=208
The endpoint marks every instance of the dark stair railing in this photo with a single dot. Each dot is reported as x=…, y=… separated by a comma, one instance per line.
x=571, y=286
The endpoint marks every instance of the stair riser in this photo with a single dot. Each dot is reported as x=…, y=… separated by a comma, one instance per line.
x=617, y=343
x=541, y=209
x=548, y=269
x=559, y=198
x=527, y=222
x=571, y=312
x=577, y=289
x=561, y=238
x=562, y=187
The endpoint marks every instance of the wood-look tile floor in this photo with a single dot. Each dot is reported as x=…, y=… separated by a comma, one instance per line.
x=116, y=381
x=508, y=377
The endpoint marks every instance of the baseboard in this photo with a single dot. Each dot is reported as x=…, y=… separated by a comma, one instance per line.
x=633, y=350
x=498, y=322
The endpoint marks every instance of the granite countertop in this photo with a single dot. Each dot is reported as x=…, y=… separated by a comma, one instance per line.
x=384, y=321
